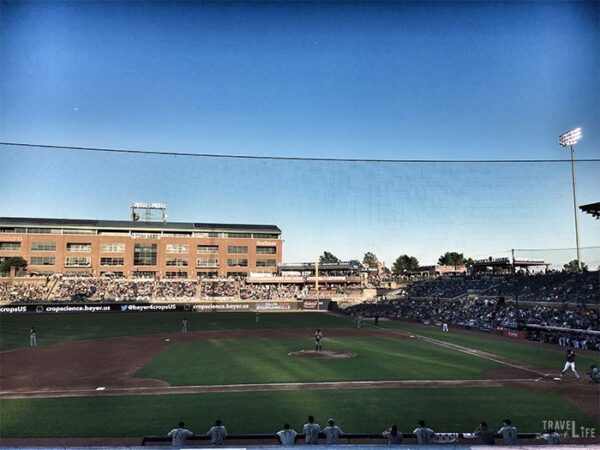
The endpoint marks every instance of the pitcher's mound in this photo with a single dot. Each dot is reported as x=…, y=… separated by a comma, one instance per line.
x=324, y=354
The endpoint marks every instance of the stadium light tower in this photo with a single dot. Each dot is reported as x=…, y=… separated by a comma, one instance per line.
x=569, y=139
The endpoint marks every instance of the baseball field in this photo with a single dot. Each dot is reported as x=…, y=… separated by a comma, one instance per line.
x=134, y=374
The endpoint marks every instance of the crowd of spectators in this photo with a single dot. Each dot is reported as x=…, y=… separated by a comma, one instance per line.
x=176, y=289
x=68, y=288
x=557, y=287
x=561, y=287
x=219, y=288
x=492, y=314
x=23, y=292
x=272, y=291
x=82, y=288
x=139, y=289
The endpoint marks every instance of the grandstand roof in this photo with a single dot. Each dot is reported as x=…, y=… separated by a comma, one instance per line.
x=310, y=266
x=591, y=208
x=506, y=263
x=128, y=224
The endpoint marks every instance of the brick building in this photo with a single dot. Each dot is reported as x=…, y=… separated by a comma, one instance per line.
x=130, y=249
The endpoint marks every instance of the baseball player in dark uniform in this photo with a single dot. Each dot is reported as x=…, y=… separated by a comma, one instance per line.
x=570, y=363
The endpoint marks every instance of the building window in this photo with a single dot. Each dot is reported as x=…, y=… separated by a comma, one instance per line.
x=265, y=236
x=266, y=250
x=240, y=262
x=12, y=230
x=112, y=261
x=176, y=275
x=237, y=249
x=10, y=246
x=209, y=274
x=112, y=248
x=113, y=232
x=44, y=230
x=78, y=273
x=78, y=261
x=266, y=263
x=78, y=247
x=43, y=246
x=145, y=235
x=208, y=249
x=42, y=260
x=178, y=248
x=75, y=231
x=144, y=254
x=237, y=274
x=177, y=234
x=143, y=274
x=207, y=234
x=115, y=274
x=239, y=235
x=207, y=262
x=177, y=262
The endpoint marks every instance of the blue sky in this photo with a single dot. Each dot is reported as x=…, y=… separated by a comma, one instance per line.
x=387, y=80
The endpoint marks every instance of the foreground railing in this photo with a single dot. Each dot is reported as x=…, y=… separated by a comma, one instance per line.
x=345, y=438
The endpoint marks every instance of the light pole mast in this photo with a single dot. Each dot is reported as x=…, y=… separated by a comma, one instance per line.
x=575, y=208
x=569, y=139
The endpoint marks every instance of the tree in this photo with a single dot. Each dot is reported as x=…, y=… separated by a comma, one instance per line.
x=370, y=260
x=13, y=261
x=572, y=266
x=405, y=263
x=328, y=257
x=452, y=259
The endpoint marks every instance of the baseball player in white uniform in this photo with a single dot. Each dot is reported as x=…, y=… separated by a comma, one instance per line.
x=218, y=433
x=287, y=436
x=179, y=435
x=311, y=431
x=318, y=338
x=32, y=337
x=184, y=326
x=332, y=433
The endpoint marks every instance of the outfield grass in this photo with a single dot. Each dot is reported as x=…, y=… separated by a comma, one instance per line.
x=55, y=328
x=444, y=409
x=537, y=355
x=234, y=361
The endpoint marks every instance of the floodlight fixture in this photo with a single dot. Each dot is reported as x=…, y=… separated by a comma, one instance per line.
x=570, y=137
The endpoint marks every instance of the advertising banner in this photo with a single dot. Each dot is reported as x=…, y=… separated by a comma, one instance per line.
x=215, y=306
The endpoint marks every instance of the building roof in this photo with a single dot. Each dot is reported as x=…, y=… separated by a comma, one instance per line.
x=591, y=208
x=128, y=224
x=310, y=266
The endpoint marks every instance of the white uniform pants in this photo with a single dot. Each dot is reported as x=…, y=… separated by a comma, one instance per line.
x=570, y=365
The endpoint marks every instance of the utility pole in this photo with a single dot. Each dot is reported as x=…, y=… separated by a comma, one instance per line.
x=516, y=289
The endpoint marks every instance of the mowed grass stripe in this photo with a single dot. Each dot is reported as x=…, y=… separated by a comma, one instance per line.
x=255, y=412
x=56, y=328
x=539, y=356
x=235, y=361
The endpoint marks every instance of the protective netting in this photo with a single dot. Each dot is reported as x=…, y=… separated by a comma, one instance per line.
x=348, y=208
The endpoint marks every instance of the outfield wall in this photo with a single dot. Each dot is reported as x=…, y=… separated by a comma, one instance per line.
x=306, y=305
x=322, y=447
